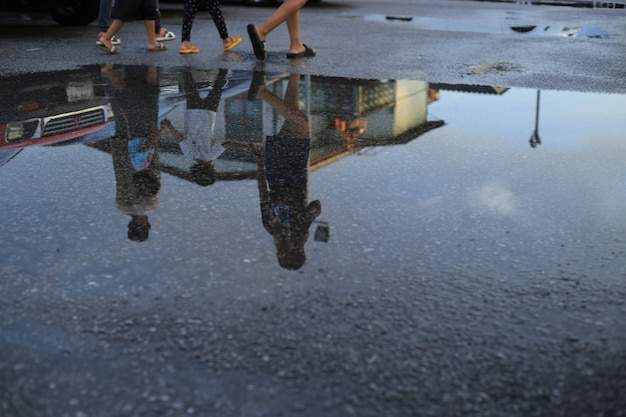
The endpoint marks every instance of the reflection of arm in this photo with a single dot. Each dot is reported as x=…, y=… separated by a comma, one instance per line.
x=113, y=77
x=166, y=124
x=257, y=152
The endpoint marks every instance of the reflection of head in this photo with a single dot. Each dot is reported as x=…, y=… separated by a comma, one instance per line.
x=203, y=173
x=138, y=228
x=291, y=258
x=290, y=237
x=146, y=183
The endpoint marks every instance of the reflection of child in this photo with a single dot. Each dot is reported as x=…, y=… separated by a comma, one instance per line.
x=286, y=214
x=283, y=177
x=198, y=142
x=133, y=148
x=138, y=185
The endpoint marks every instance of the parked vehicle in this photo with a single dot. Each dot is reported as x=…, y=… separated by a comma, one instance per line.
x=83, y=12
x=65, y=12
x=40, y=109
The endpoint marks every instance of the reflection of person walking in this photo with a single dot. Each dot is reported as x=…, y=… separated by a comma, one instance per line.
x=191, y=8
x=123, y=11
x=198, y=143
x=134, y=147
x=283, y=176
x=289, y=12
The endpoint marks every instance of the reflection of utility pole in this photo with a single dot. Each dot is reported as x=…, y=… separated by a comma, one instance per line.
x=535, y=139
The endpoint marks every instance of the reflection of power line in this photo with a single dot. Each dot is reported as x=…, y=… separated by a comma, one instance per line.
x=534, y=138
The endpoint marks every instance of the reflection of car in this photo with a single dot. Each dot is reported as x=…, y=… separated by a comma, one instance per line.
x=66, y=12
x=45, y=109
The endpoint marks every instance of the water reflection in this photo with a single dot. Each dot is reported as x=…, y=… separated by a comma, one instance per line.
x=171, y=132
x=197, y=140
x=57, y=109
x=283, y=173
x=135, y=99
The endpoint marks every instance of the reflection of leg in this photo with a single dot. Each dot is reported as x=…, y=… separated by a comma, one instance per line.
x=191, y=91
x=296, y=123
x=215, y=95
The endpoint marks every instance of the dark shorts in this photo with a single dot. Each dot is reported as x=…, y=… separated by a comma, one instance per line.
x=287, y=161
x=127, y=10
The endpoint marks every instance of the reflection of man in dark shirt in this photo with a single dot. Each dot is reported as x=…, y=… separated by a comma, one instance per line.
x=283, y=178
x=135, y=103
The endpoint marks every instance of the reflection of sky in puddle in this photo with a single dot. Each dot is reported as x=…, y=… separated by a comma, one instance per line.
x=566, y=119
x=398, y=191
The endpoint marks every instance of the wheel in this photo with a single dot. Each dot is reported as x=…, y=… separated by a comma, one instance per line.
x=77, y=12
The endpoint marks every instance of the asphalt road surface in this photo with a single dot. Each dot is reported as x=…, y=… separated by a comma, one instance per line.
x=466, y=274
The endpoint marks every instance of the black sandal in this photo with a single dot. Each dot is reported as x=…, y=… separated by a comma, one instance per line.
x=257, y=44
x=307, y=53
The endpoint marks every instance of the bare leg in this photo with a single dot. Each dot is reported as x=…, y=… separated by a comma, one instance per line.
x=293, y=26
x=286, y=9
x=113, y=29
x=150, y=31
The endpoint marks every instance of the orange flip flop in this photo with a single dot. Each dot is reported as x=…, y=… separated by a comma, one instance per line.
x=191, y=50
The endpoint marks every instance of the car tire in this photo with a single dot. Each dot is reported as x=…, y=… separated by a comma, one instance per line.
x=81, y=12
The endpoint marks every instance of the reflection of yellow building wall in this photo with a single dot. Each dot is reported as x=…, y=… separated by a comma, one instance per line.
x=408, y=110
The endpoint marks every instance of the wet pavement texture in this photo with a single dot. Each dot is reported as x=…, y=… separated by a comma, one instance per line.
x=219, y=242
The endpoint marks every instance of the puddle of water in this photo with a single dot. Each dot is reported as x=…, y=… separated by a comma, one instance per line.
x=495, y=22
x=565, y=3
x=381, y=169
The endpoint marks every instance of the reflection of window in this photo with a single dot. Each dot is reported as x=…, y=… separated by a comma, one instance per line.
x=244, y=121
x=351, y=130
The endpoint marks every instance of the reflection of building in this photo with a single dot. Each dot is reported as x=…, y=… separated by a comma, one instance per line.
x=344, y=116
x=347, y=115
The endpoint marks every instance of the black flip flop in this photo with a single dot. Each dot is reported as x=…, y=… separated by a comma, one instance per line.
x=307, y=53
x=257, y=44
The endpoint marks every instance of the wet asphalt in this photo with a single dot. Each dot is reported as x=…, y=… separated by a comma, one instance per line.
x=468, y=259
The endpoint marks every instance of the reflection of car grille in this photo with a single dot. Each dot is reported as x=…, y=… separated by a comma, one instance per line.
x=73, y=122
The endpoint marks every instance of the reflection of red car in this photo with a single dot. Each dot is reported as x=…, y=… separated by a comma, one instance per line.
x=43, y=109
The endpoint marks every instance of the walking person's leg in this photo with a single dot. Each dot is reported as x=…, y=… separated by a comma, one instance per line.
x=218, y=19
x=105, y=41
x=189, y=14
x=150, y=13
x=153, y=44
x=104, y=15
x=162, y=34
x=288, y=12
